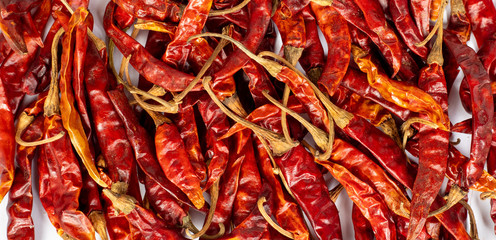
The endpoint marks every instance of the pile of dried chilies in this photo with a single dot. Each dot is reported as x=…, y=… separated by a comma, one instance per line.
x=220, y=125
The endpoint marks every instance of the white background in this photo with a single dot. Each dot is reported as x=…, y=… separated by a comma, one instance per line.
x=44, y=229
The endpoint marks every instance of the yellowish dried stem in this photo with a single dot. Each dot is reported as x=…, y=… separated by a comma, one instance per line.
x=271, y=222
x=230, y=10
x=454, y=196
x=214, y=195
x=23, y=122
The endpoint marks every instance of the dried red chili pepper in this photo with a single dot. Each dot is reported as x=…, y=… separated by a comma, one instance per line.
x=312, y=58
x=406, y=26
x=421, y=13
x=293, y=34
x=148, y=224
x=458, y=22
x=399, y=92
x=7, y=148
x=192, y=21
x=123, y=18
x=482, y=105
x=361, y=226
x=367, y=200
x=433, y=143
x=153, y=10
x=482, y=16
x=335, y=30
x=259, y=82
x=152, y=69
x=21, y=197
x=259, y=21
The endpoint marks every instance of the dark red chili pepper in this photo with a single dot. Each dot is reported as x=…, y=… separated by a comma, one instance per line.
x=21, y=197
x=406, y=26
x=152, y=69
x=153, y=10
x=260, y=11
x=123, y=18
x=458, y=22
x=356, y=81
x=335, y=30
x=361, y=226
x=249, y=186
x=192, y=21
x=312, y=58
x=156, y=43
x=217, y=125
x=421, y=13
x=259, y=82
x=482, y=16
x=143, y=146
x=482, y=105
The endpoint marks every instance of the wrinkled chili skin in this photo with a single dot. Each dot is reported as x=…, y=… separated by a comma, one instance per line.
x=482, y=16
x=406, y=26
x=459, y=22
x=151, y=10
x=260, y=11
x=259, y=81
x=312, y=57
x=21, y=196
x=65, y=182
x=123, y=18
x=421, y=13
x=152, y=69
x=433, y=154
x=482, y=104
x=7, y=148
x=321, y=211
x=335, y=30
x=175, y=163
x=142, y=145
x=292, y=30
x=361, y=225
x=356, y=81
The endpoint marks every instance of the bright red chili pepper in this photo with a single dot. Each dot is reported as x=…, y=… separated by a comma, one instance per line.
x=421, y=13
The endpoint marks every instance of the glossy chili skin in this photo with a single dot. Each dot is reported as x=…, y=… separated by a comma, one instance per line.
x=254, y=226
x=361, y=226
x=229, y=183
x=321, y=211
x=17, y=64
x=217, y=125
x=421, y=13
x=249, y=184
x=123, y=18
x=259, y=81
x=151, y=10
x=335, y=30
x=406, y=26
x=65, y=182
x=164, y=204
x=260, y=11
x=152, y=69
x=173, y=159
x=433, y=154
x=21, y=196
x=7, y=148
x=356, y=81
x=367, y=200
x=482, y=105
x=192, y=21
x=312, y=59
x=482, y=16
x=293, y=34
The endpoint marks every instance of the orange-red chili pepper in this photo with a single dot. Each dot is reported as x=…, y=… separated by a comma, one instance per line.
x=406, y=27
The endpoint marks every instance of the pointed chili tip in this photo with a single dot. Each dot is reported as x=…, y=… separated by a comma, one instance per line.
x=99, y=223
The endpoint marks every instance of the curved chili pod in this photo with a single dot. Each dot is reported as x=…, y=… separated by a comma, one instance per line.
x=482, y=106
x=7, y=148
x=367, y=200
x=153, y=10
x=260, y=11
x=458, y=22
x=361, y=226
x=433, y=154
x=192, y=21
x=293, y=33
x=401, y=94
x=335, y=30
x=421, y=13
x=152, y=69
x=21, y=196
x=312, y=58
x=406, y=27
x=259, y=82
x=482, y=15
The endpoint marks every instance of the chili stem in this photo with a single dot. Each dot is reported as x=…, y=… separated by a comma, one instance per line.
x=271, y=222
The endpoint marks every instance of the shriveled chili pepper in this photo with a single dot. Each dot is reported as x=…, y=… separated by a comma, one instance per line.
x=433, y=143
x=152, y=69
x=335, y=30
x=174, y=160
x=459, y=22
x=192, y=21
x=143, y=146
x=217, y=124
x=357, y=82
x=482, y=16
x=293, y=34
x=361, y=226
x=367, y=200
x=259, y=21
x=259, y=82
x=149, y=225
x=354, y=15
x=421, y=13
x=21, y=197
x=7, y=149
x=312, y=58
x=406, y=26
x=400, y=93
x=123, y=18
x=154, y=10
x=482, y=105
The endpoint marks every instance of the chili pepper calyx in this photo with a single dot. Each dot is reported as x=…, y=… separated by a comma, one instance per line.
x=121, y=202
x=454, y=196
x=292, y=54
x=323, y=2
x=98, y=221
x=486, y=195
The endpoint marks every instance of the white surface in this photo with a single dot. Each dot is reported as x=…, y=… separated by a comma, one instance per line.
x=44, y=230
